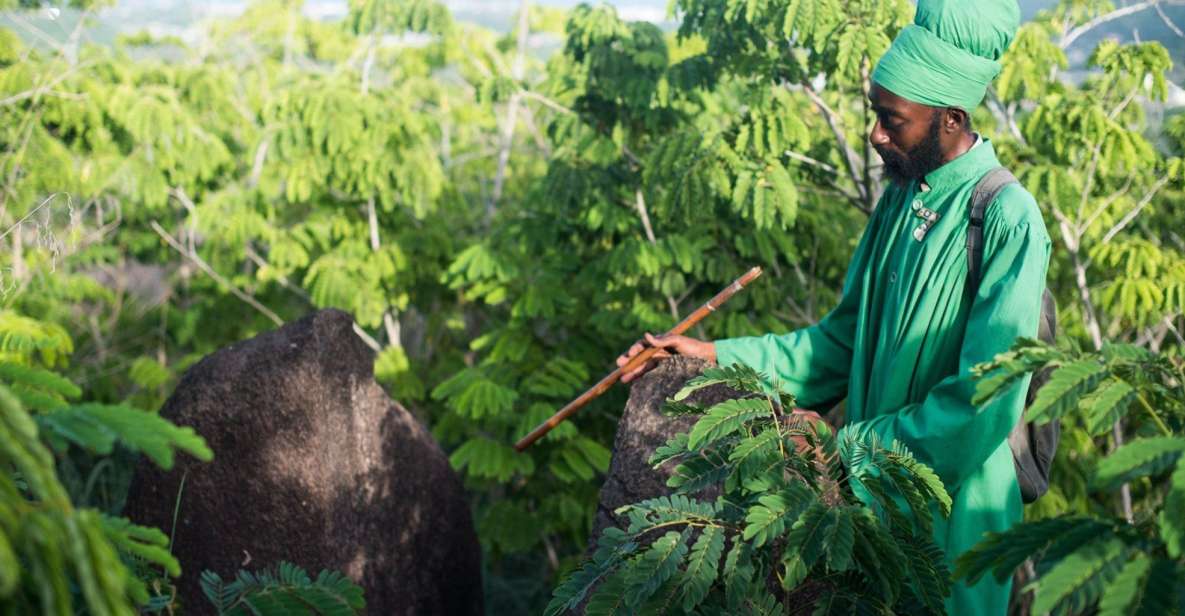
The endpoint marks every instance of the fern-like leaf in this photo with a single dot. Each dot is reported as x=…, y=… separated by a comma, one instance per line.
x=724, y=419
x=1107, y=405
x=652, y=568
x=703, y=566
x=1138, y=458
x=1002, y=553
x=1171, y=519
x=96, y=427
x=1066, y=386
x=1077, y=581
x=1144, y=587
x=737, y=376
x=285, y=590
x=767, y=519
x=840, y=539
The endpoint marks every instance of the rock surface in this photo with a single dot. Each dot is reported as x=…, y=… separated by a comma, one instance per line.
x=313, y=464
x=641, y=430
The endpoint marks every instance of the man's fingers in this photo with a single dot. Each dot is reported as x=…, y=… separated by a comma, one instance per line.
x=635, y=373
x=664, y=341
x=625, y=358
x=645, y=367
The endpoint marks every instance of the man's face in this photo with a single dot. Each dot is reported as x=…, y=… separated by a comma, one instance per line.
x=907, y=135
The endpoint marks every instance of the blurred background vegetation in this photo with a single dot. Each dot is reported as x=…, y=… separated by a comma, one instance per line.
x=506, y=194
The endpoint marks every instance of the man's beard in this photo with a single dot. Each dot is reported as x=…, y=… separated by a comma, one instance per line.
x=917, y=161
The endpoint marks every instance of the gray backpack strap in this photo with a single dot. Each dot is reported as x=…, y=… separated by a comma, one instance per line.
x=1033, y=447
x=982, y=195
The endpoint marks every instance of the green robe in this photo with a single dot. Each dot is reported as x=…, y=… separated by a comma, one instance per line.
x=895, y=345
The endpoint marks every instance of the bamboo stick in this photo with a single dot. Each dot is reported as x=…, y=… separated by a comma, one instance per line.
x=607, y=382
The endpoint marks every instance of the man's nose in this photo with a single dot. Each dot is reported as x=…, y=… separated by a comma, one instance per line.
x=878, y=136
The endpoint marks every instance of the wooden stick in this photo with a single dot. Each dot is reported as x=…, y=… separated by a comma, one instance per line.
x=639, y=359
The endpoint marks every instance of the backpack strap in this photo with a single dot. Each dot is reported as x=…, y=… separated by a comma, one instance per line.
x=982, y=195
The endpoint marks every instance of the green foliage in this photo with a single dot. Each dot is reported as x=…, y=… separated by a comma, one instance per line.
x=1087, y=562
x=782, y=516
x=56, y=557
x=286, y=589
x=501, y=225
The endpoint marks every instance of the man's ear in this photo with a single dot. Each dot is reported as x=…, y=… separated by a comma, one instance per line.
x=954, y=120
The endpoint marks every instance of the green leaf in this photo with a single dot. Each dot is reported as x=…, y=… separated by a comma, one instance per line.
x=96, y=427
x=794, y=570
x=613, y=546
x=807, y=534
x=1171, y=519
x=737, y=376
x=1144, y=587
x=699, y=472
x=927, y=571
x=675, y=447
x=609, y=599
x=1107, y=405
x=653, y=567
x=765, y=442
x=702, y=567
x=1002, y=553
x=738, y=572
x=726, y=418
x=1065, y=388
x=1077, y=580
x=38, y=378
x=1138, y=458
x=840, y=539
x=766, y=520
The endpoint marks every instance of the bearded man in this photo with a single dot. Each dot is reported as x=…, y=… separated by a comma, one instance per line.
x=901, y=343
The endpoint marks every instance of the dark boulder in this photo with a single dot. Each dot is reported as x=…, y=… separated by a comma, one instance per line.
x=641, y=430
x=313, y=464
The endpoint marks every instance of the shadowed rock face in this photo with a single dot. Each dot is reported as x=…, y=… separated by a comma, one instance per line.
x=313, y=464
x=641, y=430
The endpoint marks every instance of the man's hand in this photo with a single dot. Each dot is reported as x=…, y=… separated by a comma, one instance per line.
x=668, y=345
x=811, y=419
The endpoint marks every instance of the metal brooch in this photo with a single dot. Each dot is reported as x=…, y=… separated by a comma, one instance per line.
x=928, y=216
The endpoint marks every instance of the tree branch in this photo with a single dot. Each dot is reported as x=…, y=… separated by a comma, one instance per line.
x=389, y=323
x=535, y=96
x=850, y=157
x=1085, y=225
x=511, y=121
x=1168, y=22
x=205, y=267
x=47, y=87
x=1076, y=33
x=640, y=204
x=1130, y=216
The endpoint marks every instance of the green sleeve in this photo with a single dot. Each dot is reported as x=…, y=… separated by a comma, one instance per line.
x=812, y=363
x=1007, y=305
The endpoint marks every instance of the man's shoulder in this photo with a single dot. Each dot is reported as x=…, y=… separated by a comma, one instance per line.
x=1013, y=207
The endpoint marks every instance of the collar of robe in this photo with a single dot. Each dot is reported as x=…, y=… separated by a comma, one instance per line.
x=968, y=165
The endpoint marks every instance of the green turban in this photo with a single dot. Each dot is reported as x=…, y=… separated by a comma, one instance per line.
x=950, y=53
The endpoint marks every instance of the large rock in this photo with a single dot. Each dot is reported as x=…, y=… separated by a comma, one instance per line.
x=641, y=430
x=314, y=464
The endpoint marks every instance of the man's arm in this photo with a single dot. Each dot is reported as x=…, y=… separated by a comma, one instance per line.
x=945, y=431
x=812, y=363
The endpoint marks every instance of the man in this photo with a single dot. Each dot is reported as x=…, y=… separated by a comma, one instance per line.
x=905, y=334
